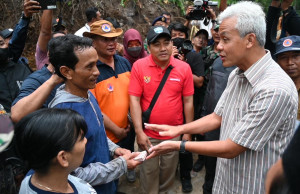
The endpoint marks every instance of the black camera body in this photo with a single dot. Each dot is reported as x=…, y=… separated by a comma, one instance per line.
x=200, y=9
x=184, y=47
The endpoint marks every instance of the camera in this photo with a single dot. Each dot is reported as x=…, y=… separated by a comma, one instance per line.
x=183, y=46
x=200, y=9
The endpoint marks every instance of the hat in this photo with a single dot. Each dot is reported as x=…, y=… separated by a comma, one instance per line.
x=56, y=21
x=202, y=31
x=290, y=43
x=7, y=33
x=160, y=18
x=103, y=28
x=6, y=131
x=155, y=32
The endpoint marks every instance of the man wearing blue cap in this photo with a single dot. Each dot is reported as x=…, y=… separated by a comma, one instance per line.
x=174, y=103
x=288, y=57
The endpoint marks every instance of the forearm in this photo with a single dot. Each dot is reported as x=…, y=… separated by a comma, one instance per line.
x=198, y=81
x=32, y=102
x=17, y=42
x=136, y=115
x=99, y=173
x=46, y=28
x=110, y=126
x=222, y=149
x=203, y=125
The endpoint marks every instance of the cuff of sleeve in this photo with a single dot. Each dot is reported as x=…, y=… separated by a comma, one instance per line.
x=124, y=163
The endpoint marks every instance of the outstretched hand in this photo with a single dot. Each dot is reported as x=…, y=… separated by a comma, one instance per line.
x=163, y=148
x=165, y=130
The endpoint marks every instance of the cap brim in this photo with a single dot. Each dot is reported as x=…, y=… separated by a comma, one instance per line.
x=118, y=32
x=157, y=36
x=287, y=49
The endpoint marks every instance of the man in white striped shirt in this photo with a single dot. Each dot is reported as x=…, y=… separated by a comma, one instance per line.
x=256, y=112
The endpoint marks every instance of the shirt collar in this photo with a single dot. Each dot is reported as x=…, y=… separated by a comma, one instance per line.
x=254, y=73
x=100, y=63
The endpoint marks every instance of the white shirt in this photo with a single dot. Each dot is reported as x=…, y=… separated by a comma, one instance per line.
x=85, y=28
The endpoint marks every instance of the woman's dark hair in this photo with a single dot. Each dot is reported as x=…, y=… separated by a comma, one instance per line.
x=62, y=51
x=41, y=135
x=179, y=27
x=91, y=13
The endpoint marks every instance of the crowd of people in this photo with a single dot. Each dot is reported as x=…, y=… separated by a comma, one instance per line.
x=225, y=87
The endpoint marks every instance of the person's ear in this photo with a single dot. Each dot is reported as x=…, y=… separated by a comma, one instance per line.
x=62, y=159
x=250, y=40
x=66, y=72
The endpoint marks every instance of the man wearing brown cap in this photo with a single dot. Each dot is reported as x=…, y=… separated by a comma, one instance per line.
x=111, y=90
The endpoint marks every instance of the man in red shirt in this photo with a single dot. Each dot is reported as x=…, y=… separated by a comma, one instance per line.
x=173, y=106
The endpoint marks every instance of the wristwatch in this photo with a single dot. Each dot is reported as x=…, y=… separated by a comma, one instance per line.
x=182, y=146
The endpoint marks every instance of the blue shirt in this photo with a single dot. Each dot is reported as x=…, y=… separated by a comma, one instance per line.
x=33, y=82
x=121, y=65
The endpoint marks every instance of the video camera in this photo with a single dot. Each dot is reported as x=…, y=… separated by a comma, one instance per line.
x=200, y=9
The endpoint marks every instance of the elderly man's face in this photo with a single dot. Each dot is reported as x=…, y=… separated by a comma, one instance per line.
x=231, y=46
x=290, y=63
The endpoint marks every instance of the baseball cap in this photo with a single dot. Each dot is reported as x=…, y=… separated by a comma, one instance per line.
x=202, y=31
x=7, y=33
x=6, y=132
x=160, y=18
x=290, y=43
x=103, y=28
x=56, y=21
x=156, y=32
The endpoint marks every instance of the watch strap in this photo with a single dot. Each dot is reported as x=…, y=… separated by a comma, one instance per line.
x=182, y=146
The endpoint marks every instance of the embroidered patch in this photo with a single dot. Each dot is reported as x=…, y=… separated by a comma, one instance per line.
x=287, y=43
x=105, y=27
x=147, y=79
x=175, y=79
x=110, y=88
x=158, y=30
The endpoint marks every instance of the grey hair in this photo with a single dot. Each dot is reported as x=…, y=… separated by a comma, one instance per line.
x=250, y=19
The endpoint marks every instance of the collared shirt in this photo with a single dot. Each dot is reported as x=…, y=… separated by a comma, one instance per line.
x=111, y=92
x=258, y=110
x=145, y=78
x=85, y=28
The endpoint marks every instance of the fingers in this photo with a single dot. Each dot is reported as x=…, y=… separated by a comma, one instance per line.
x=154, y=127
x=152, y=155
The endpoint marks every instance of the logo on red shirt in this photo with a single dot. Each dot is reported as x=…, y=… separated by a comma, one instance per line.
x=147, y=79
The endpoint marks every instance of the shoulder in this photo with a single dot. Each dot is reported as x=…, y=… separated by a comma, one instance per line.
x=82, y=186
x=122, y=61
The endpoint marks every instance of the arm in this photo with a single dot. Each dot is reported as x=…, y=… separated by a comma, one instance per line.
x=45, y=32
x=136, y=115
x=198, y=81
x=223, y=149
x=188, y=109
x=99, y=173
x=203, y=125
x=17, y=42
x=223, y=5
x=188, y=11
x=120, y=133
x=35, y=100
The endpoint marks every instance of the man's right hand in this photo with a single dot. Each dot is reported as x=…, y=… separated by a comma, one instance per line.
x=31, y=7
x=143, y=141
x=189, y=10
x=122, y=133
x=131, y=163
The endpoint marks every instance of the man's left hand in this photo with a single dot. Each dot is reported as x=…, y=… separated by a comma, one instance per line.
x=121, y=152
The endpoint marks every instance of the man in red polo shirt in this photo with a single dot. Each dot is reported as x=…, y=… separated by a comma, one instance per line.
x=174, y=104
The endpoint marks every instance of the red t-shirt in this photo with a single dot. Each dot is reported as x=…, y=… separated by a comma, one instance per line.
x=168, y=109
